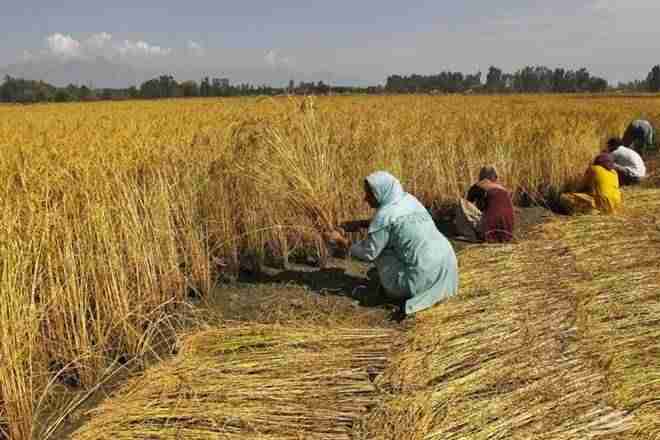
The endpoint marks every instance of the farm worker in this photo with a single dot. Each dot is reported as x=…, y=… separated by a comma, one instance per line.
x=487, y=214
x=416, y=264
x=601, y=183
x=628, y=164
x=639, y=136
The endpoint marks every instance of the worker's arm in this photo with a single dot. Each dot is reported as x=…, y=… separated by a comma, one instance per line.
x=628, y=136
x=476, y=194
x=370, y=249
x=355, y=225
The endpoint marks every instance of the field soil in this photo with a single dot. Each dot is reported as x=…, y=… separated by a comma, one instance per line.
x=345, y=288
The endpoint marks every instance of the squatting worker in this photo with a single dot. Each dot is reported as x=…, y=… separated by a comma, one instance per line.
x=628, y=164
x=601, y=190
x=487, y=214
x=640, y=136
x=416, y=263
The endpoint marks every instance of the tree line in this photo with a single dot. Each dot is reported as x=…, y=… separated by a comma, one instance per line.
x=531, y=79
x=165, y=86
x=20, y=90
x=650, y=84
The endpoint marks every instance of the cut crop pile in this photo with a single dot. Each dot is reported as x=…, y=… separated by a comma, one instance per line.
x=557, y=337
x=252, y=382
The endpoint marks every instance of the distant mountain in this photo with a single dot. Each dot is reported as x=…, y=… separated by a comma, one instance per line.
x=100, y=72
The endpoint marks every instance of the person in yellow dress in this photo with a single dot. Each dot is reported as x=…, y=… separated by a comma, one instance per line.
x=601, y=190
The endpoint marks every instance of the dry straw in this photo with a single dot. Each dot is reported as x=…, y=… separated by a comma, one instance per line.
x=110, y=213
x=553, y=338
x=252, y=382
x=559, y=350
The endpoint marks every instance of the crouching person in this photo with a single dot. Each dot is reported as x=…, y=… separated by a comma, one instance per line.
x=487, y=214
x=628, y=164
x=640, y=136
x=601, y=193
x=416, y=264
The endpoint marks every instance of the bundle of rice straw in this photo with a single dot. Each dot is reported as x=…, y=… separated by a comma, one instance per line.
x=251, y=382
x=554, y=338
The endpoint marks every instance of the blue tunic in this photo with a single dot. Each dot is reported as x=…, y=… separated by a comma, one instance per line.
x=415, y=261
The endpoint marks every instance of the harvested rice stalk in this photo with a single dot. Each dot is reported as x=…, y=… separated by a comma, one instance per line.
x=554, y=338
x=257, y=381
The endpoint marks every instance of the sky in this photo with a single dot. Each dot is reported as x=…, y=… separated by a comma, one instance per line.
x=364, y=40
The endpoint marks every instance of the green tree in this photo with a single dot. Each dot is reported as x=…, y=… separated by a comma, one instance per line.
x=133, y=92
x=494, y=80
x=205, y=87
x=190, y=88
x=63, y=95
x=653, y=79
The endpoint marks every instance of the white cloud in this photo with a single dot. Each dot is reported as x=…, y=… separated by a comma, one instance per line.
x=141, y=48
x=195, y=48
x=101, y=44
x=273, y=59
x=98, y=41
x=63, y=45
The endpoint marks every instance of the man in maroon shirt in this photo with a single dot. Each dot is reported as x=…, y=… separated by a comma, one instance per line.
x=487, y=214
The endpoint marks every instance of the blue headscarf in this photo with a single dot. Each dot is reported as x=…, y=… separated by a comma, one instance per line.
x=388, y=192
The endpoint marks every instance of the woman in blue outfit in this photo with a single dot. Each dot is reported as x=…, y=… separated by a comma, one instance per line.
x=416, y=263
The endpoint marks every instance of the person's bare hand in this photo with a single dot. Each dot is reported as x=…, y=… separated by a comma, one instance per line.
x=334, y=236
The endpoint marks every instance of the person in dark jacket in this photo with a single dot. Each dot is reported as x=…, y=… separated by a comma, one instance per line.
x=487, y=212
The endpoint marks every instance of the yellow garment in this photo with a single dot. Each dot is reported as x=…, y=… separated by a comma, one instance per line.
x=603, y=185
x=604, y=194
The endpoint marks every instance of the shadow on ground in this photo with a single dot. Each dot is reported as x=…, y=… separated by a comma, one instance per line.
x=344, y=278
x=344, y=291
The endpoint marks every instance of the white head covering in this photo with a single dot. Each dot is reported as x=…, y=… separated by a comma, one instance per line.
x=386, y=188
x=388, y=192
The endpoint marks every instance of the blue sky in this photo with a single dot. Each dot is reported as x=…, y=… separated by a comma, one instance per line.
x=359, y=39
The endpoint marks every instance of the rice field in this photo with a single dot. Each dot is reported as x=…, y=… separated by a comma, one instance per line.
x=569, y=351
x=113, y=213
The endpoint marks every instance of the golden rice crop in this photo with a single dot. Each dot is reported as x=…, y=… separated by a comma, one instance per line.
x=111, y=212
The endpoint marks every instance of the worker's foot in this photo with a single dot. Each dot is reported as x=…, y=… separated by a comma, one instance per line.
x=377, y=298
x=399, y=315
